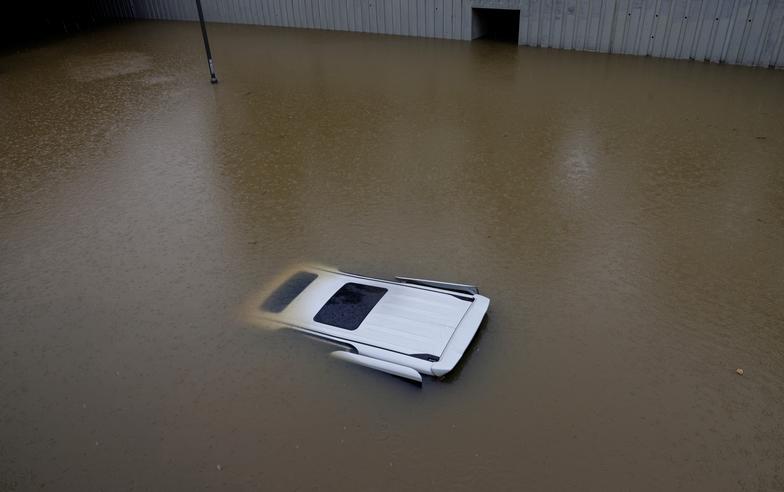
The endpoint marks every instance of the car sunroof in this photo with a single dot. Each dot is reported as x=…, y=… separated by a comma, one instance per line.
x=350, y=305
x=290, y=289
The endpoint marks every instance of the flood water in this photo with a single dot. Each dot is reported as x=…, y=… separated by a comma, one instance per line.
x=624, y=215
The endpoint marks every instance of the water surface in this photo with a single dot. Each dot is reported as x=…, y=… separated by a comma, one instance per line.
x=625, y=216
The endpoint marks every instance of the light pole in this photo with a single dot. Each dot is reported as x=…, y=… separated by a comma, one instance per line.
x=213, y=77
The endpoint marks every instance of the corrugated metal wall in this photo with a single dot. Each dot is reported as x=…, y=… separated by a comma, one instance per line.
x=748, y=32
x=113, y=9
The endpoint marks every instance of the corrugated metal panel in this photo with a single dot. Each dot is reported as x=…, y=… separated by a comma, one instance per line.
x=111, y=9
x=748, y=32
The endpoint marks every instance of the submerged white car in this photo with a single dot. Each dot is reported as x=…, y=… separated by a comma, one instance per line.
x=406, y=327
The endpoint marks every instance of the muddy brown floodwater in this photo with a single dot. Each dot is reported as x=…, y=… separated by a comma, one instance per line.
x=625, y=216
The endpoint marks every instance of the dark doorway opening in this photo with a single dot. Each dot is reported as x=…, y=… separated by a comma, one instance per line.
x=496, y=24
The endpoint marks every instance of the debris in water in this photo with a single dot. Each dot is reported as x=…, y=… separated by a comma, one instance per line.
x=220, y=468
x=739, y=371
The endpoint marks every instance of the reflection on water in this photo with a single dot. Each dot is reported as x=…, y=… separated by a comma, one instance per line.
x=106, y=65
x=624, y=214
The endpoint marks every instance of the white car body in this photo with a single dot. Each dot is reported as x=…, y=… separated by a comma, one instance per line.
x=405, y=327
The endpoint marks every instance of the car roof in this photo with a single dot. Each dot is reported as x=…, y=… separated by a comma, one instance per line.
x=408, y=319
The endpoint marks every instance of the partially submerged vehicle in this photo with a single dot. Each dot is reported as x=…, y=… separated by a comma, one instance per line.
x=406, y=327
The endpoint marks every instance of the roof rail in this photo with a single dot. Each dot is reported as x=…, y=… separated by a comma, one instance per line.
x=463, y=288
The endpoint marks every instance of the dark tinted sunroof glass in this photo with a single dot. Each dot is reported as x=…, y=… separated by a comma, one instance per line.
x=288, y=291
x=350, y=305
